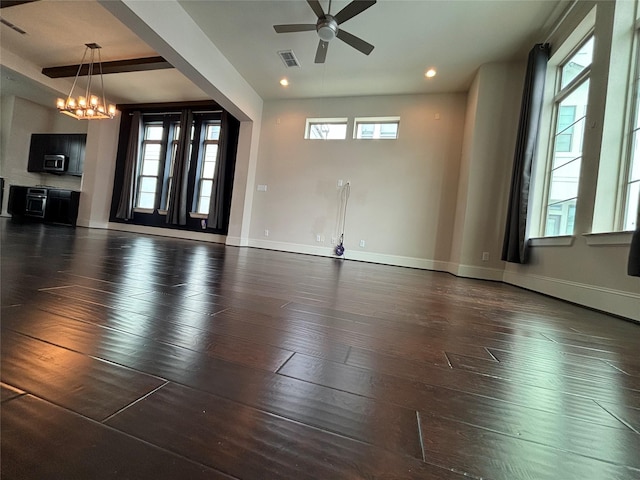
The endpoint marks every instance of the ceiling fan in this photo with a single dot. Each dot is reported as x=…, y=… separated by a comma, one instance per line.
x=327, y=27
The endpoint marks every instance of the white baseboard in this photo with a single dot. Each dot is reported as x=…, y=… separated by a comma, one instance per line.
x=472, y=271
x=167, y=232
x=358, y=255
x=237, y=241
x=323, y=251
x=617, y=302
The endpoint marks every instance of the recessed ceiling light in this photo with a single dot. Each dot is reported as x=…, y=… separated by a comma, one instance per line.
x=430, y=73
x=284, y=82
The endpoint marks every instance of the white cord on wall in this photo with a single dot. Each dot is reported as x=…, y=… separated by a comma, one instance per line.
x=342, y=217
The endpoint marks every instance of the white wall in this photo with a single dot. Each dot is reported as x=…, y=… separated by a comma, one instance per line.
x=403, y=191
x=99, y=171
x=490, y=130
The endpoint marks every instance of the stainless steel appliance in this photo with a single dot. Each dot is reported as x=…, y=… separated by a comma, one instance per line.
x=36, y=204
x=54, y=163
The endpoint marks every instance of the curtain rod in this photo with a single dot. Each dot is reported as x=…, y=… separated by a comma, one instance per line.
x=176, y=113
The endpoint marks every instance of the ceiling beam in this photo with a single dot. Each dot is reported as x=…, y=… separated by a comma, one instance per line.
x=117, y=66
x=13, y=3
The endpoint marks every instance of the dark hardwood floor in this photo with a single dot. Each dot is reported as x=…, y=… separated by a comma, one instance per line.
x=138, y=357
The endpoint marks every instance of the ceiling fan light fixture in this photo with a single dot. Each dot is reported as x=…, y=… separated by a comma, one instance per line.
x=430, y=73
x=327, y=28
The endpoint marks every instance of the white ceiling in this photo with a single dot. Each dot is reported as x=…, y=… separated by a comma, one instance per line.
x=410, y=36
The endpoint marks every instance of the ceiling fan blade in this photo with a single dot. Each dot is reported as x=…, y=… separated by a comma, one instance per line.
x=315, y=6
x=294, y=27
x=321, y=52
x=353, y=9
x=355, y=42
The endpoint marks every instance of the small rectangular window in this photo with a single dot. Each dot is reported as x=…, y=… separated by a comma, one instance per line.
x=326, y=129
x=376, y=128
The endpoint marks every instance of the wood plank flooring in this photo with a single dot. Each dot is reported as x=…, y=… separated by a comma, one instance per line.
x=139, y=357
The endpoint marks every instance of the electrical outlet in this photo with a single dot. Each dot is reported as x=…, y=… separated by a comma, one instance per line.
x=318, y=238
x=333, y=240
x=266, y=232
x=262, y=188
x=485, y=256
x=362, y=243
x=340, y=183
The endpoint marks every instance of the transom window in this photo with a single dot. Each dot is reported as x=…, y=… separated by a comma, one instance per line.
x=326, y=129
x=376, y=129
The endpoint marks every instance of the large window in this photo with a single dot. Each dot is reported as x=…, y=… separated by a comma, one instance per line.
x=207, y=168
x=151, y=150
x=175, y=178
x=632, y=177
x=570, y=110
x=174, y=135
x=158, y=161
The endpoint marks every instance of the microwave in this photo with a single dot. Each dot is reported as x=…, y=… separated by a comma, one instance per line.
x=54, y=163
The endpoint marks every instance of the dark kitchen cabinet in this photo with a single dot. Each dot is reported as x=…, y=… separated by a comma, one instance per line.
x=62, y=206
x=77, y=143
x=17, y=201
x=37, y=151
x=71, y=145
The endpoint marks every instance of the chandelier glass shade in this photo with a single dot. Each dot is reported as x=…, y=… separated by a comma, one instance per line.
x=90, y=106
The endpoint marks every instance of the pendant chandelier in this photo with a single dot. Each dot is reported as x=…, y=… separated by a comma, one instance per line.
x=89, y=106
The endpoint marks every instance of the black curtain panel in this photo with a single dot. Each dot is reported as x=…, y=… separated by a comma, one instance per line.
x=128, y=192
x=633, y=266
x=217, y=201
x=177, y=209
x=514, y=248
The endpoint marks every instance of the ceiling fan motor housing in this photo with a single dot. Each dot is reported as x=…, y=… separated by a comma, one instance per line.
x=327, y=28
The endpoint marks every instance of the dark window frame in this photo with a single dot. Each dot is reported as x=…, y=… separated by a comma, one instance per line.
x=203, y=112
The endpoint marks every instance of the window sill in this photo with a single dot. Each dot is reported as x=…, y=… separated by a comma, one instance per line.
x=144, y=210
x=560, y=241
x=608, y=238
x=191, y=214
